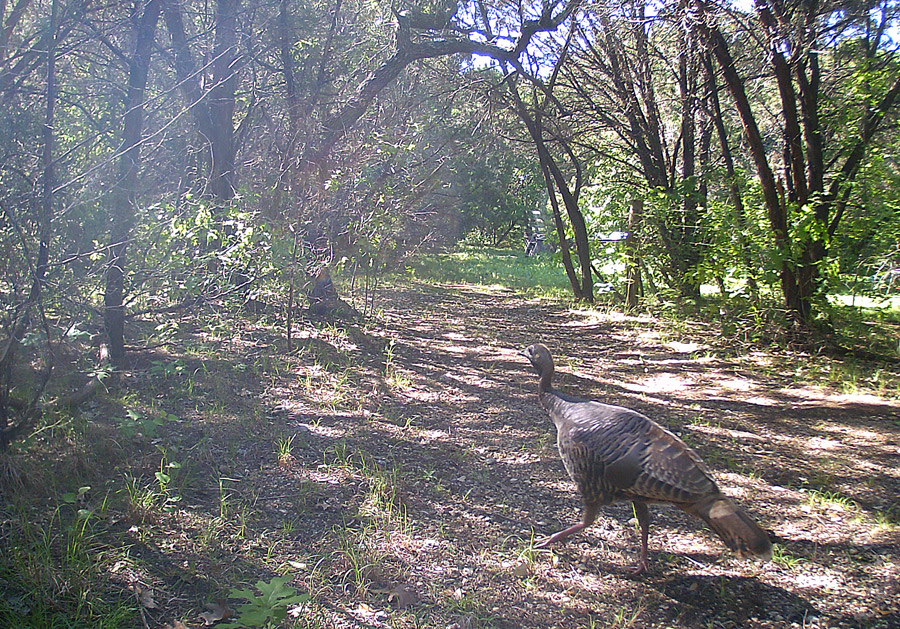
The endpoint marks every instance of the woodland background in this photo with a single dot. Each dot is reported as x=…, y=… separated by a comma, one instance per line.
x=170, y=165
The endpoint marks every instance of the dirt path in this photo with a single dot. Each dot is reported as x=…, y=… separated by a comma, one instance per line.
x=401, y=474
x=432, y=487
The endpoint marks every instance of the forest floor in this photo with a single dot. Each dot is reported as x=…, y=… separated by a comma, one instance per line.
x=399, y=473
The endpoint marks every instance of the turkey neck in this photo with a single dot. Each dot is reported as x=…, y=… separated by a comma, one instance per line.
x=546, y=377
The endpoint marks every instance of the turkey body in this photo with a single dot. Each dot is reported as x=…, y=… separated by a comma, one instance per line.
x=614, y=453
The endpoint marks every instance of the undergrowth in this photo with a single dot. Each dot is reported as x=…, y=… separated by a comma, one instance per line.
x=200, y=479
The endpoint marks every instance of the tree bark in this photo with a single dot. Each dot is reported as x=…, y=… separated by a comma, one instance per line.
x=222, y=145
x=122, y=198
x=734, y=190
x=632, y=255
x=560, y=228
x=557, y=182
x=213, y=109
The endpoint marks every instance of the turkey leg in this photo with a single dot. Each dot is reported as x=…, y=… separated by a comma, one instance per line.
x=590, y=514
x=643, y=518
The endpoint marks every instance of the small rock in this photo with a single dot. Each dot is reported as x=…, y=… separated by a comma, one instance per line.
x=522, y=569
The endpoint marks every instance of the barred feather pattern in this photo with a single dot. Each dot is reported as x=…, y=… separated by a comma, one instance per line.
x=614, y=453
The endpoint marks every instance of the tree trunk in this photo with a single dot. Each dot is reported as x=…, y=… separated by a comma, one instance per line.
x=560, y=230
x=122, y=197
x=734, y=190
x=775, y=204
x=214, y=110
x=687, y=247
x=221, y=101
x=805, y=171
x=632, y=255
x=10, y=430
x=579, y=227
x=557, y=182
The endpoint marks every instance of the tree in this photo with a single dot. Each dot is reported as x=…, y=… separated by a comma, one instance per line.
x=498, y=187
x=123, y=197
x=821, y=160
x=23, y=312
x=539, y=111
x=213, y=105
x=636, y=83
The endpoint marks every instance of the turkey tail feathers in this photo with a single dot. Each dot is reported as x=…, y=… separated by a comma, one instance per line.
x=737, y=529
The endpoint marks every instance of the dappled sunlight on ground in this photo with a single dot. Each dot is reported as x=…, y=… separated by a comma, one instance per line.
x=399, y=473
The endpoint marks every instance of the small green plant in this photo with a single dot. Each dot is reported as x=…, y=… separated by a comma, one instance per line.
x=163, y=369
x=625, y=617
x=134, y=422
x=393, y=376
x=268, y=608
x=382, y=504
x=343, y=458
x=527, y=554
x=285, y=448
x=358, y=556
x=887, y=520
x=165, y=477
x=818, y=498
x=784, y=558
x=224, y=497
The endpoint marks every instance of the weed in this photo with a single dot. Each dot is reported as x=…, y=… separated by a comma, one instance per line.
x=817, y=498
x=135, y=423
x=341, y=456
x=358, y=556
x=141, y=499
x=887, y=519
x=48, y=571
x=285, y=450
x=268, y=608
x=394, y=376
x=165, y=477
x=781, y=556
x=224, y=497
x=625, y=617
x=472, y=608
x=165, y=370
x=528, y=552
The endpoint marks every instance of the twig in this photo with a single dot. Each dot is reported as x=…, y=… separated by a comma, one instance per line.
x=137, y=598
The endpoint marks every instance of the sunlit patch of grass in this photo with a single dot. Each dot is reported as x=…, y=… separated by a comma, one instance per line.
x=887, y=519
x=850, y=376
x=818, y=498
x=381, y=503
x=330, y=389
x=540, y=276
x=781, y=556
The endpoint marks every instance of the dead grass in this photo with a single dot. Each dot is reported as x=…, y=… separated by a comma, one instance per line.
x=400, y=473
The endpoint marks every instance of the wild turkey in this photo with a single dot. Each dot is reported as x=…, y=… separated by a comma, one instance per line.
x=614, y=453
